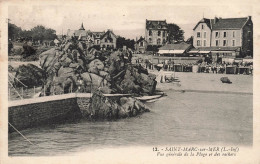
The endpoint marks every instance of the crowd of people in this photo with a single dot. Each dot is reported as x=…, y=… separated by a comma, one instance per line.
x=203, y=67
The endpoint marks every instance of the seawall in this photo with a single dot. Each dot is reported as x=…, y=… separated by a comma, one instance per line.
x=34, y=112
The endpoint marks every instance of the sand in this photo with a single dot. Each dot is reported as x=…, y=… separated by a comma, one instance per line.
x=208, y=82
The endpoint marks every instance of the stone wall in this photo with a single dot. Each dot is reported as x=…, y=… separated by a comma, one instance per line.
x=47, y=110
x=38, y=113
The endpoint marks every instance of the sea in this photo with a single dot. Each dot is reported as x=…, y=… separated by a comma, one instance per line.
x=180, y=118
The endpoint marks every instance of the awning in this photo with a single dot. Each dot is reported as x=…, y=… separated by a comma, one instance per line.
x=176, y=51
x=222, y=51
x=204, y=52
x=163, y=51
x=194, y=51
x=171, y=51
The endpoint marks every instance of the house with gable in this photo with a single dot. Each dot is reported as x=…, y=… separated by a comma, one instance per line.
x=224, y=37
x=103, y=39
x=141, y=45
x=108, y=40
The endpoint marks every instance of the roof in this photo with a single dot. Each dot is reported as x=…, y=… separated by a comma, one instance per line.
x=228, y=23
x=98, y=34
x=108, y=33
x=82, y=27
x=223, y=24
x=179, y=46
x=204, y=20
x=156, y=24
x=140, y=40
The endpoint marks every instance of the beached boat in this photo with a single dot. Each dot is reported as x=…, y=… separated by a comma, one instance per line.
x=147, y=98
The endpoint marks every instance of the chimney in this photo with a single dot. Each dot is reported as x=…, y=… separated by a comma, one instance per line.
x=249, y=17
x=215, y=20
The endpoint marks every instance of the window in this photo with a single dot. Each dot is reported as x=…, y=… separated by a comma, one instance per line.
x=150, y=32
x=198, y=34
x=159, y=33
x=205, y=34
x=204, y=43
x=202, y=27
x=234, y=34
x=141, y=44
x=158, y=41
x=164, y=34
x=150, y=40
x=224, y=42
x=233, y=43
x=97, y=41
x=105, y=39
x=216, y=34
x=216, y=42
x=198, y=42
x=225, y=34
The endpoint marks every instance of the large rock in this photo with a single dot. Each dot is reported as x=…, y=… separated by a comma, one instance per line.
x=94, y=81
x=28, y=50
x=30, y=75
x=48, y=59
x=96, y=63
x=102, y=107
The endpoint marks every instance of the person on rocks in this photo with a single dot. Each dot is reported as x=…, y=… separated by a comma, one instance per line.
x=80, y=84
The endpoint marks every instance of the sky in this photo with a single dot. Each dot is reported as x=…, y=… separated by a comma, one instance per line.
x=125, y=19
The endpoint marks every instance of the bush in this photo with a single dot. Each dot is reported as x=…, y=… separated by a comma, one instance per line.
x=16, y=51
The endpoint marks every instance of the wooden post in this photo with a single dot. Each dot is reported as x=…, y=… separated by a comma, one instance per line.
x=9, y=93
x=33, y=90
x=53, y=90
x=22, y=92
x=44, y=90
x=63, y=87
x=71, y=88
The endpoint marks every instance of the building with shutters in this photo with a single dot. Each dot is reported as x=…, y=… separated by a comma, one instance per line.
x=156, y=32
x=224, y=37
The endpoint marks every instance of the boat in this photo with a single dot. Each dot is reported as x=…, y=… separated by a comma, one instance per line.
x=148, y=98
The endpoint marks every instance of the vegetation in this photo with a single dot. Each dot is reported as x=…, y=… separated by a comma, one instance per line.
x=121, y=41
x=37, y=33
x=175, y=33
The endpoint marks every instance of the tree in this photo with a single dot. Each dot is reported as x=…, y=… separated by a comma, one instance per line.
x=121, y=41
x=13, y=31
x=190, y=40
x=41, y=33
x=175, y=33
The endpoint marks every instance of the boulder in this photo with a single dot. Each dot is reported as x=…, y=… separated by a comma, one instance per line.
x=94, y=81
x=93, y=70
x=28, y=50
x=96, y=63
x=47, y=58
x=103, y=74
x=30, y=75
